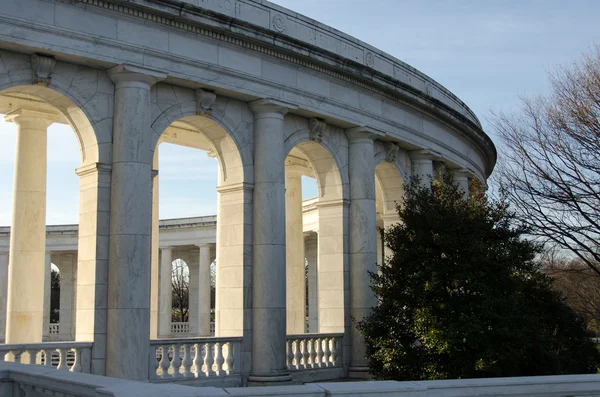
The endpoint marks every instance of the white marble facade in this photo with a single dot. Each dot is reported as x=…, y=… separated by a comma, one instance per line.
x=263, y=90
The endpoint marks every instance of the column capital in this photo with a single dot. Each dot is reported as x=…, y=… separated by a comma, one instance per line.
x=166, y=247
x=94, y=167
x=270, y=105
x=423, y=155
x=40, y=118
x=134, y=76
x=363, y=132
x=204, y=245
x=461, y=173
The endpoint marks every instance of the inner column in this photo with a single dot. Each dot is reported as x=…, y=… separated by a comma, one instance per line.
x=27, y=257
x=165, y=293
x=294, y=240
x=203, y=307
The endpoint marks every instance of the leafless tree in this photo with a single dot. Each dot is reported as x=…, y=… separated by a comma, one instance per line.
x=549, y=167
x=578, y=283
x=180, y=282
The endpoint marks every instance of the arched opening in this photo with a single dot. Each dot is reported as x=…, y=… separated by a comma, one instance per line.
x=389, y=192
x=43, y=120
x=315, y=254
x=212, y=214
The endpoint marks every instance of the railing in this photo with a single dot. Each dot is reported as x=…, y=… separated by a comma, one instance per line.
x=180, y=329
x=68, y=356
x=194, y=358
x=313, y=351
x=183, y=329
x=54, y=329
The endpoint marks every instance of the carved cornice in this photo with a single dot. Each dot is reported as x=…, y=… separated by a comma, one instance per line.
x=224, y=28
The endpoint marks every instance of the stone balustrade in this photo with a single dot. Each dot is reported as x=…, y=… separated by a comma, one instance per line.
x=313, y=351
x=68, y=356
x=172, y=359
x=54, y=329
x=183, y=329
x=180, y=329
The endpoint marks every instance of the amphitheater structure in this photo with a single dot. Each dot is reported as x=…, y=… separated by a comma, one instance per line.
x=273, y=96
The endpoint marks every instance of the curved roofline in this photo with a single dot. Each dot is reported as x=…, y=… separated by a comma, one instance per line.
x=298, y=39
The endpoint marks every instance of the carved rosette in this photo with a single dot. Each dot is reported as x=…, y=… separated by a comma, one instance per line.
x=278, y=23
x=370, y=59
x=205, y=100
x=317, y=128
x=42, y=67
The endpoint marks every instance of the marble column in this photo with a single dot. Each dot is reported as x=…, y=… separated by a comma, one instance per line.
x=47, y=295
x=154, y=256
x=422, y=166
x=294, y=253
x=268, y=268
x=128, y=317
x=67, y=282
x=311, y=249
x=27, y=261
x=203, y=291
x=362, y=238
x=3, y=292
x=461, y=178
x=165, y=292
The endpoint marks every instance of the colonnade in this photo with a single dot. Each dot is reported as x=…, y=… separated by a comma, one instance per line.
x=339, y=257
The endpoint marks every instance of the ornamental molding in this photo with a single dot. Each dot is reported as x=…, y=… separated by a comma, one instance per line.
x=391, y=151
x=42, y=67
x=317, y=129
x=205, y=101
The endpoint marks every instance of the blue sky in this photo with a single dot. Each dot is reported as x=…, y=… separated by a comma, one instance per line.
x=487, y=52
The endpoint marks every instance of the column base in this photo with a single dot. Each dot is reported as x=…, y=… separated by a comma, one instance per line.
x=359, y=373
x=277, y=379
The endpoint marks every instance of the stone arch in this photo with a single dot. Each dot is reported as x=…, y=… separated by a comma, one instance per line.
x=227, y=136
x=390, y=178
x=228, y=128
x=328, y=160
x=82, y=95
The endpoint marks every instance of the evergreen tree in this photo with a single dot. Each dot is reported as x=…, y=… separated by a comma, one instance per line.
x=463, y=297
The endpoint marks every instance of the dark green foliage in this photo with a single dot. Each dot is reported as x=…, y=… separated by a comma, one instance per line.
x=462, y=297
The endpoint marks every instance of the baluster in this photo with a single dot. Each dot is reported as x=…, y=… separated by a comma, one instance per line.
x=229, y=357
x=326, y=352
x=290, y=354
x=17, y=354
x=197, y=361
x=219, y=358
x=313, y=353
x=319, y=346
x=297, y=354
x=334, y=351
x=209, y=360
x=164, y=362
x=175, y=362
x=76, y=367
x=305, y=363
x=44, y=357
x=62, y=360
x=187, y=361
